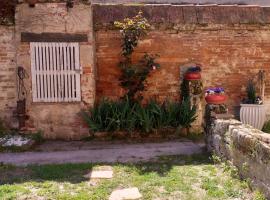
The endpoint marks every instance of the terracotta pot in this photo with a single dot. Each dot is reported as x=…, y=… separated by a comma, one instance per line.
x=216, y=99
x=193, y=76
x=253, y=115
x=32, y=3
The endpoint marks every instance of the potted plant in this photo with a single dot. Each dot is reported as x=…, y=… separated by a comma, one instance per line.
x=252, y=110
x=215, y=96
x=193, y=73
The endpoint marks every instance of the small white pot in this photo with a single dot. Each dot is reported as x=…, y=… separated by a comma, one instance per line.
x=253, y=115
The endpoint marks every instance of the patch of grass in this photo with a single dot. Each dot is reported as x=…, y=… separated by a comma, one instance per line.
x=259, y=196
x=170, y=177
x=195, y=136
x=211, y=186
x=9, y=192
x=71, y=172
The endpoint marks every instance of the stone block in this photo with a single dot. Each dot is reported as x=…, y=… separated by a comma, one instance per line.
x=125, y=194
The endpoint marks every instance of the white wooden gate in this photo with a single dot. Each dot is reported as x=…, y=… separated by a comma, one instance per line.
x=55, y=72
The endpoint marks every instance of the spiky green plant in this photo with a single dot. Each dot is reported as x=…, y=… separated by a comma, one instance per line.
x=126, y=115
x=251, y=92
x=188, y=113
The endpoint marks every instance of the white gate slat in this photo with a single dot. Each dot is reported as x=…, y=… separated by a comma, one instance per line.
x=62, y=87
x=45, y=84
x=55, y=72
x=42, y=96
x=35, y=91
x=77, y=72
x=58, y=73
x=65, y=73
x=72, y=70
x=51, y=74
x=68, y=73
x=33, y=68
x=48, y=72
x=38, y=69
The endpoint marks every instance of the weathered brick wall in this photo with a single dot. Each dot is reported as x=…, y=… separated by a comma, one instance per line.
x=7, y=75
x=58, y=120
x=247, y=148
x=232, y=43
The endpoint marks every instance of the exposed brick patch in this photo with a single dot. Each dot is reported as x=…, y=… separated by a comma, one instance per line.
x=8, y=89
x=228, y=58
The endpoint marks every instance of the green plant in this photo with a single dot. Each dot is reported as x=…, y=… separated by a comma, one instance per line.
x=38, y=137
x=126, y=115
x=111, y=116
x=131, y=30
x=133, y=76
x=251, y=93
x=266, y=127
x=188, y=114
x=184, y=88
x=258, y=196
x=2, y=128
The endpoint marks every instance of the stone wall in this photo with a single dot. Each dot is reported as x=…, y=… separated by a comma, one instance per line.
x=232, y=43
x=57, y=120
x=8, y=91
x=247, y=148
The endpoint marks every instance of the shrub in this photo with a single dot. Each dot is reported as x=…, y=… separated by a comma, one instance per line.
x=38, y=137
x=126, y=115
x=266, y=127
x=111, y=116
x=134, y=75
x=2, y=128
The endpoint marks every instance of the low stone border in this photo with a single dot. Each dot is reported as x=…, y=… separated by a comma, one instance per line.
x=247, y=148
x=159, y=135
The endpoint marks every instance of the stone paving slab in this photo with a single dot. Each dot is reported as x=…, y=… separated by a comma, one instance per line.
x=125, y=194
x=108, y=154
x=101, y=172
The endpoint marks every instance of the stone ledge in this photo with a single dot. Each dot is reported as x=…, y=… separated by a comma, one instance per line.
x=104, y=14
x=243, y=146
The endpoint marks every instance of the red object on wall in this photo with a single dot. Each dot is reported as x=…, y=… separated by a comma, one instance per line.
x=216, y=99
x=193, y=76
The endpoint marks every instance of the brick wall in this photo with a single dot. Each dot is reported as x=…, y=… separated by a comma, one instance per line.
x=230, y=43
x=7, y=75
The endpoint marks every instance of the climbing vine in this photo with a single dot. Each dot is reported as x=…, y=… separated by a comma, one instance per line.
x=134, y=75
